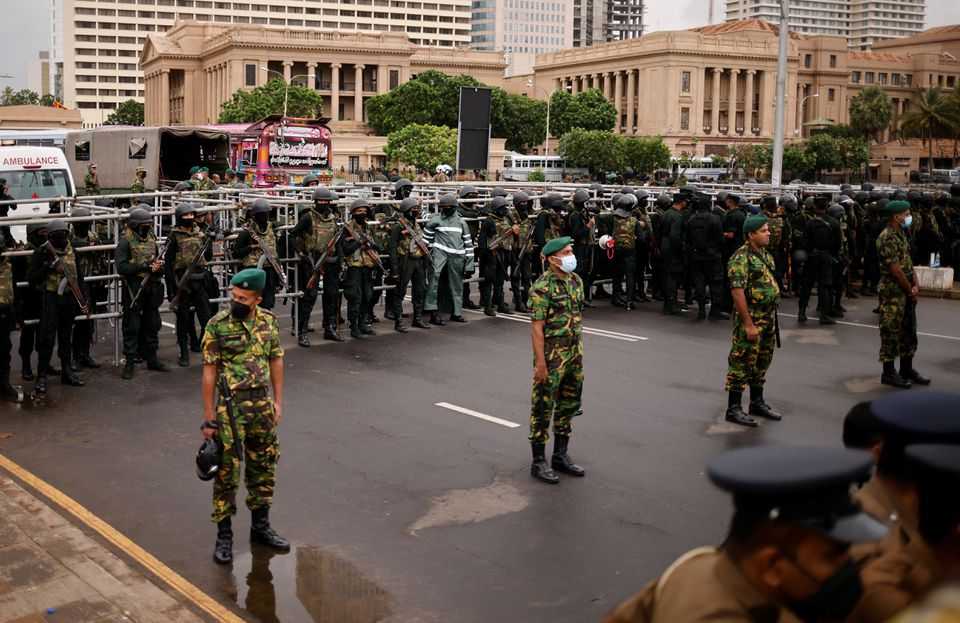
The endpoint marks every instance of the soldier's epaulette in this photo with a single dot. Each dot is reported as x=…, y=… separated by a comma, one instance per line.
x=220, y=315
x=267, y=312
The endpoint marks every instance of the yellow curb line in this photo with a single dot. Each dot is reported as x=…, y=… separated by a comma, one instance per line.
x=177, y=582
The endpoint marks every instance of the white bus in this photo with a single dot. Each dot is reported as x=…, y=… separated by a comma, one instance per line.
x=40, y=173
x=33, y=138
x=517, y=167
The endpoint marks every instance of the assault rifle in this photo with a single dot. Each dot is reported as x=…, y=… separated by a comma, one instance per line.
x=417, y=238
x=524, y=248
x=69, y=279
x=147, y=277
x=366, y=246
x=320, y=264
x=208, y=238
x=267, y=256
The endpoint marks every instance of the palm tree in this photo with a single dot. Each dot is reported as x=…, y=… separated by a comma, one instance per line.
x=932, y=115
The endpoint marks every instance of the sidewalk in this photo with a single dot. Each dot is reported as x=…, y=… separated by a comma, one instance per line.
x=50, y=571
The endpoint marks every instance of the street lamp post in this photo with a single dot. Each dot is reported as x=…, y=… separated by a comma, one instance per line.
x=286, y=91
x=546, y=139
x=803, y=103
x=776, y=169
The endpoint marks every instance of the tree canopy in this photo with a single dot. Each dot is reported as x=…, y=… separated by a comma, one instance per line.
x=596, y=150
x=645, y=154
x=588, y=110
x=870, y=111
x=266, y=100
x=129, y=112
x=423, y=146
x=19, y=98
x=932, y=115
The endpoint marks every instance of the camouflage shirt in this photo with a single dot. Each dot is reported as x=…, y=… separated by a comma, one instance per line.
x=892, y=248
x=91, y=185
x=242, y=349
x=137, y=186
x=558, y=302
x=753, y=271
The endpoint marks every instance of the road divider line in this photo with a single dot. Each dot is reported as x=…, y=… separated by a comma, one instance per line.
x=613, y=335
x=477, y=414
x=873, y=326
x=174, y=580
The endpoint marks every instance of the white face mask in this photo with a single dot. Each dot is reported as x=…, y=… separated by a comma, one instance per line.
x=568, y=263
x=908, y=221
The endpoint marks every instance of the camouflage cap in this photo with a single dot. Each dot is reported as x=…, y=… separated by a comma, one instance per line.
x=555, y=245
x=253, y=279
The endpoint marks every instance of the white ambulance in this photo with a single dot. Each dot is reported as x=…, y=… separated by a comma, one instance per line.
x=41, y=173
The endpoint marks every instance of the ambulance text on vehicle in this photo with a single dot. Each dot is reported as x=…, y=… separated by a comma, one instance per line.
x=40, y=173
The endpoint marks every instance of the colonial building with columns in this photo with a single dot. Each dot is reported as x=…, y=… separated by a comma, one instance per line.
x=194, y=68
x=709, y=88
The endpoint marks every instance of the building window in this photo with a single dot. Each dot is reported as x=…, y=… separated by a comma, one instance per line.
x=684, y=118
x=907, y=80
x=353, y=164
x=250, y=75
x=394, y=79
x=855, y=77
x=831, y=95
x=81, y=149
x=808, y=60
x=685, y=82
x=951, y=82
x=895, y=79
x=883, y=78
x=833, y=61
x=868, y=77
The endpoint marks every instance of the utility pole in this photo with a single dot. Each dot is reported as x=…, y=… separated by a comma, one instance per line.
x=710, y=12
x=780, y=113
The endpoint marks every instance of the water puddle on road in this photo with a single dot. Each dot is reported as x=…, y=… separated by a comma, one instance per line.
x=308, y=585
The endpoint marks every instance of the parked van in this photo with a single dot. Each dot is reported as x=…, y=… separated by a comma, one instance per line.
x=34, y=173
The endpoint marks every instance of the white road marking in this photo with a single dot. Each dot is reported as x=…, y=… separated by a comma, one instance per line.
x=613, y=335
x=477, y=414
x=168, y=325
x=873, y=326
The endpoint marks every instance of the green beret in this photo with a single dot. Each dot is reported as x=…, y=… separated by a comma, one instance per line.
x=229, y=171
x=204, y=169
x=194, y=170
x=250, y=279
x=557, y=244
x=895, y=207
x=753, y=223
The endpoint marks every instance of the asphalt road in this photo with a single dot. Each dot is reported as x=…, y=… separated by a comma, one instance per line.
x=403, y=510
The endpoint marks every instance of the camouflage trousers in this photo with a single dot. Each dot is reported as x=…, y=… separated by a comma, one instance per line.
x=557, y=398
x=749, y=361
x=258, y=437
x=898, y=323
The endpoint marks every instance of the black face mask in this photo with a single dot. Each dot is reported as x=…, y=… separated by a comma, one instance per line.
x=81, y=229
x=187, y=222
x=448, y=211
x=323, y=208
x=836, y=598
x=238, y=310
x=261, y=220
x=59, y=240
x=360, y=218
x=523, y=209
x=144, y=230
x=501, y=211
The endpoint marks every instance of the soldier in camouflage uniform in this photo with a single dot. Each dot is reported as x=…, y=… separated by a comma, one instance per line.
x=625, y=230
x=89, y=264
x=91, y=185
x=409, y=257
x=780, y=236
x=248, y=250
x=521, y=272
x=359, y=251
x=139, y=184
x=495, y=244
x=755, y=294
x=8, y=320
x=140, y=266
x=556, y=307
x=550, y=224
x=242, y=345
x=314, y=233
x=184, y=243
x=898, y=299
x=205, y=183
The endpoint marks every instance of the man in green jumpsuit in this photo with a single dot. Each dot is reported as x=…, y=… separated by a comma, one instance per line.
x=898, y=299
x=242, y=344
x=556, y=308
x=756, y=295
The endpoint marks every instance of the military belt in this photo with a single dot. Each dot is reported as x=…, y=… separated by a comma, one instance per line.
x=256, y=393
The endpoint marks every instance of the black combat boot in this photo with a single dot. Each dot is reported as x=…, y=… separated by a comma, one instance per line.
x=735, y=412
x=909, y=373
x=183, y=358
x=759, y=407
x=262, y=534
x=825, y=318
x=223, y=549
x=802, y=313
x=561, y=461
x=330, y=333
x=468, y=304
x=366, y=329
x=86, y=361
x=418, y=321
x=26, y=370
x=155, y=364
x=40, y=387
x=540, y=469
x=489, y=311
x=459, y=319
x=128, y=370
x=355, y=332
x=195, y=345
x=399, y=327
x=69, y=377
x=436, y=319
x=521, y=307
x=303, y=340
x=890, y=377
x=702, y=312
x=503, y=308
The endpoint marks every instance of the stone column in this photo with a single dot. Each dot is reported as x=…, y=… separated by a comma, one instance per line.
x=575, y=84
x=287, y=70
x=557, y=85
x=311, y=76
x=748, y=104
x=383, y=79
x=768, y=89
x=608, y=85
x=165, y=97
x=598, y=82
x=631, y=87
x=618, y=97
x=335, y=91
x=732, y=102
x=358, y=93
x=715, y=107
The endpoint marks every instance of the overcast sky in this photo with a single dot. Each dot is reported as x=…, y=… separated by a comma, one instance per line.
x=25, y=27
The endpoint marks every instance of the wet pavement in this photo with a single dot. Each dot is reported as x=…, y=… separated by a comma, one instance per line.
x=403, y=510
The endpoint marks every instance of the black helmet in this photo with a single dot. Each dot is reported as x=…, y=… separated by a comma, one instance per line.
x=875, y=195
x=187, y=207
x=497, y=203
x=861, y=197
x=447, y=201
x=499, y=192
x=551, y=201
x=467, y=190
x=626, y=190
x=836, y=211
x=789, y=202
x=322, y=193
x=866, y=186
x=407, y=204
x=103, y=202
x=56, y=225
x=521, y=197
x=359, y=203
x=913, y=196
x=769, y=201
x=182, y=186
x=139, y=216
x=597, y=189
x=309, y=179
x=799, y=256
x=845, y=188
x=581, y=196
x=624, y=201
x=260, y=206
x=641, y=196
x=80, y=211
x=208, y=459
x=882, y=203
x=722, y=197
x=33, y=228
x=664, y=200
x=809, y=203
x=402, y=183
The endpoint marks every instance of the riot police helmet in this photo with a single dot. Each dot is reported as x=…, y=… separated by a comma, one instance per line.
x=467, y=192
x=407, y=204
x=56, y=225
x=581, y=196
x=322, y=193
x=866, y=186
x=448, y=200
x=260, y=206
x=836, y=211
x=498, y=203
x=187, y=207
x=139, y=215
x=80, y=211
x=208, y=459
x=499, y=192
x=664, y=200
